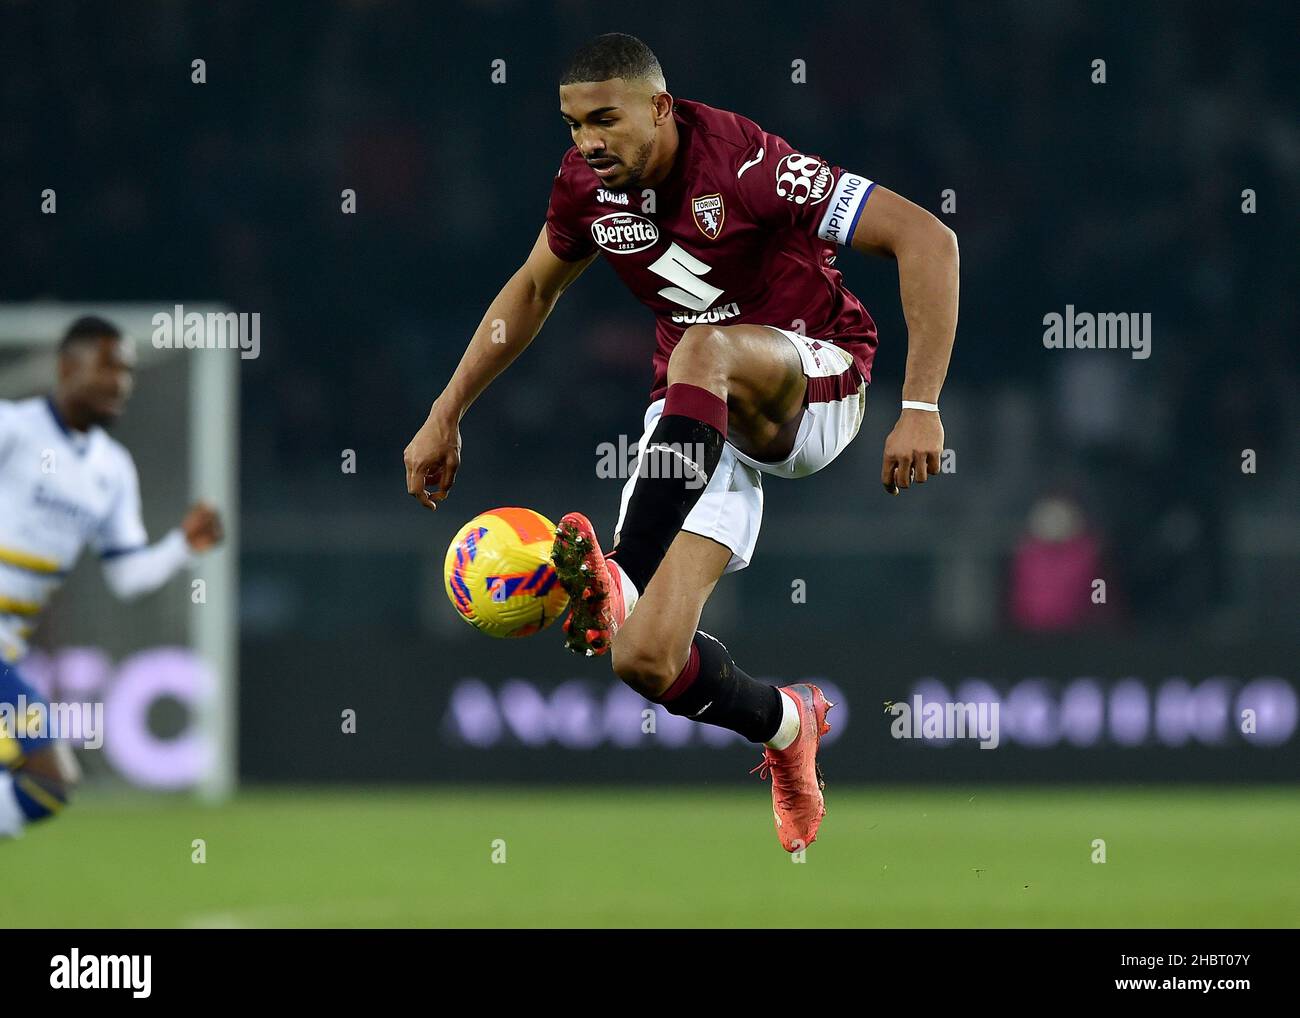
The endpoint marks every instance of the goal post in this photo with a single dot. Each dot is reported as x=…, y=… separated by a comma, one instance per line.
x=186, y=411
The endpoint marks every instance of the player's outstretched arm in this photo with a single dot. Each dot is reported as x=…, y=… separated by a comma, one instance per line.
x=926, y=252
x=512, y=320
x=142, y=569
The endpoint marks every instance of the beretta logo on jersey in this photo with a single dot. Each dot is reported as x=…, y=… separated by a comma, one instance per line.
x=709, y=214
x=624, y=233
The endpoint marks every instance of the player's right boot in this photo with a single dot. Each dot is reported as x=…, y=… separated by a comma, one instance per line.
x=594, y=587
x=797, y=782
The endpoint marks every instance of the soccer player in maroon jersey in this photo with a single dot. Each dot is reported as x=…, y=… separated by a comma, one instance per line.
x=728, y=235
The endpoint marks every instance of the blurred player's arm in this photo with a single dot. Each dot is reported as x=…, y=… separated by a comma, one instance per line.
x=926, y=252
x=133, y=567
x=509, y=325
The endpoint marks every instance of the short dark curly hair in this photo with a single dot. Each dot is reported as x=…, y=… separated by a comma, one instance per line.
x=612, y=55
x=87, y=329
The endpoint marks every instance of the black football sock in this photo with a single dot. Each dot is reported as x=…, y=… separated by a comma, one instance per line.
x=711, y=689
x=679, y=458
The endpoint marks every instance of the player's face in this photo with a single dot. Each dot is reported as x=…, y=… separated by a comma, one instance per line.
x=98, y=378
x=613, y=124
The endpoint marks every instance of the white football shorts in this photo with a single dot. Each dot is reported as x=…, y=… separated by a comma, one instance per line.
x=730, y=510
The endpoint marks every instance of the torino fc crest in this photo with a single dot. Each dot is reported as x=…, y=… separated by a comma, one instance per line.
x=709, y=214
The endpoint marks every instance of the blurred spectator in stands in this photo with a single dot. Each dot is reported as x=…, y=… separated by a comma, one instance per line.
x=1054, y=569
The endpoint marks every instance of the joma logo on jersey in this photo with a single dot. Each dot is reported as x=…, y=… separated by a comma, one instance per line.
x=718, y=314
x=624, y=233
x=709, y=214
x=616, y=197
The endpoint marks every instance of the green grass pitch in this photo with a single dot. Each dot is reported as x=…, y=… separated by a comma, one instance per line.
x=973, y=857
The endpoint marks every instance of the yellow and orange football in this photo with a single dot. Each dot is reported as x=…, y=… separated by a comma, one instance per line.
x=499, y=574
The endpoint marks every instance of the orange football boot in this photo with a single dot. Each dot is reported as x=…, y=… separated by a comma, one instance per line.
x=797, y=782
x=595, y=588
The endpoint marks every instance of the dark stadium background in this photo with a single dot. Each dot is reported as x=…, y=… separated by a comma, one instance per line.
x=1113, y=198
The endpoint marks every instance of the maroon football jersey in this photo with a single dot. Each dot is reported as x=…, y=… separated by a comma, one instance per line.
x=743, y=230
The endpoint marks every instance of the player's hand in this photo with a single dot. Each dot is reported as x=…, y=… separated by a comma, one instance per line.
x=912, y=450
x=202, y=527
x=432, y=459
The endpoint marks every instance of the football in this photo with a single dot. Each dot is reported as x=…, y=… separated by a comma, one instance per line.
x=499, y=574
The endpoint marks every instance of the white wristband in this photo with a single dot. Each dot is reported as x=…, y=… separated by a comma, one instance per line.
x=911, y=404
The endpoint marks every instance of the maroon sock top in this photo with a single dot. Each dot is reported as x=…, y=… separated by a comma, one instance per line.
x=686, y=400
x=685, y=678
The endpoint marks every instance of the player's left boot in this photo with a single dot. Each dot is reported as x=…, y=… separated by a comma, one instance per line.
x=797, y=782
x=594, y=586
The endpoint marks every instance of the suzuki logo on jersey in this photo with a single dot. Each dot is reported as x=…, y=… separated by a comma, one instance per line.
x=804, y=180
x=709, y=214
x=624, y=233
x=612, y=196
x=677, y=265
x=718, y=314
